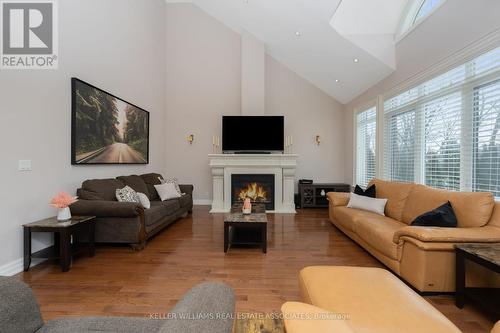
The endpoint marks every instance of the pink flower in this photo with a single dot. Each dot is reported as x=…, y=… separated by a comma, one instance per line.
x=62, y=200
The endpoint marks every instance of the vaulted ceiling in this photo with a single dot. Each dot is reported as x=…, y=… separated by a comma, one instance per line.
x=343, y=47
x=298, y=34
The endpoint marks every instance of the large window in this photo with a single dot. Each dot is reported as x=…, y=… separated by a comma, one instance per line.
x=445, y=133
x=366, y=138
x=486, y=147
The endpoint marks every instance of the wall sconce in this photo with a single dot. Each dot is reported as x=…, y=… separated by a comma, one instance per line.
x=190, y=138
x=318, y=140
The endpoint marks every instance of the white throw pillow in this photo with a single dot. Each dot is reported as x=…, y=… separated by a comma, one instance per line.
x=126, y=194
x=167, y=191
x=369, y=204
x=171, y=180
x=144, y=200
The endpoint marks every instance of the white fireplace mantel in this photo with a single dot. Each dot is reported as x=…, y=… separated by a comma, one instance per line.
x=281, y=165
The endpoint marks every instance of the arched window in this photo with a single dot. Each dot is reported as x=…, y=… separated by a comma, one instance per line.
x=425, y=9
x=415, y=13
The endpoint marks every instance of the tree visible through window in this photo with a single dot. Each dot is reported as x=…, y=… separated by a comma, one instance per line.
x=445, y=132
x=442, y=142
x=486, y=124
x=402, y=146
x=366, y=130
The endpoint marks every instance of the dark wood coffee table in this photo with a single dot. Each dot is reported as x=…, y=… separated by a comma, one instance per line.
x=65, y=240
x=251, y=229
x=486, y=255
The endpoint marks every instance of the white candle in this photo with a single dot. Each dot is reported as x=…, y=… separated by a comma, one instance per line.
x=291, y=140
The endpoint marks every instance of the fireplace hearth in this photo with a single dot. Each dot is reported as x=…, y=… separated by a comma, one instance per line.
x=258, y=187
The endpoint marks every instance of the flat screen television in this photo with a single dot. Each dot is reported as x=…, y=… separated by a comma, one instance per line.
x=247, y=134
x=106, y=129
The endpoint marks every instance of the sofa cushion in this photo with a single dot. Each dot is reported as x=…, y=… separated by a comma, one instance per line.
x=473, y=209
x=160, y=210
x=396, y=194
x=348, y=217
x=378, y=231
x=87, y=195
x=152, y=179
x=423, y=199
x=136, y=183
x=105, y=189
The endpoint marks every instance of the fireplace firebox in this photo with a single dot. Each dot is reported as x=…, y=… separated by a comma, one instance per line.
x=258, y=187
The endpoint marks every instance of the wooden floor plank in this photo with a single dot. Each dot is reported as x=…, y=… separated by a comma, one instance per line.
x=120, y=282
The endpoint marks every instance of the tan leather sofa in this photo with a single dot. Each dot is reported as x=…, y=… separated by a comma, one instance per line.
x=423, y=256
x=362, y=300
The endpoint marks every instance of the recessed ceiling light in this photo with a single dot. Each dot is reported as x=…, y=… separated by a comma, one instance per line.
x=298, y=33
x=355, y=60
x=337, y=80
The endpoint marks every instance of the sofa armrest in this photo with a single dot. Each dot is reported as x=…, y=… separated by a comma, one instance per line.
x=188, y=189
x=338, y=198
x=215, y=300
x=302, y=318
x=102, y=208
x=19, y=311
x=487, y=234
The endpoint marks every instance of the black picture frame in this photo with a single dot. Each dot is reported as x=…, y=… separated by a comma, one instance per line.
x=144, y=158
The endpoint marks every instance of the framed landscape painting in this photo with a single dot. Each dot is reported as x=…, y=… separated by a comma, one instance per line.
x=106, y=129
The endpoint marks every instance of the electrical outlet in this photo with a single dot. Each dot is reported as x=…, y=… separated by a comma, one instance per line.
x=24, y=165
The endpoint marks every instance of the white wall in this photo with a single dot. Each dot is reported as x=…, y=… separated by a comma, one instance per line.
x=453, y=27
x=204, y=83
x=117, y=45
x=308, y=112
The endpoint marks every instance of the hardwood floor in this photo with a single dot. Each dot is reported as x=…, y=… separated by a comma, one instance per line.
x=120, y=282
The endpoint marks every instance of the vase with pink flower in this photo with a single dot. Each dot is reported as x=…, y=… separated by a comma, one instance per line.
x=62, y=201
x=247, y=206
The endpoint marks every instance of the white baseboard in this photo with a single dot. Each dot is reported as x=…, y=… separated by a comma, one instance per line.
x=17, y=266
x=202, y=202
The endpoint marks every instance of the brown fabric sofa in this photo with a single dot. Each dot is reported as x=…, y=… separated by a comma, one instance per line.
x=423, y=256
x=124, y=222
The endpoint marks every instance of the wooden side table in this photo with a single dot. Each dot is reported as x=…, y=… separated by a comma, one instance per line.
x=65, y=243
x=486, y=255
x=251, y=229
x=314, y=195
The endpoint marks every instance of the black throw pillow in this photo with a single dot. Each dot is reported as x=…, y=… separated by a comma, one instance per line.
x=443, y=216
x=369, y=192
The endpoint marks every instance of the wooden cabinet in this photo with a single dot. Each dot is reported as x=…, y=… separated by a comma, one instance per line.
x=314, y=195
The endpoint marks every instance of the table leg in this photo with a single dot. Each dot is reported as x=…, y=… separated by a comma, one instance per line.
x=65, y=250
x=264, y=237
x=459, y=280
x=27, y=248
x=226, y=237
x=91, y=238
